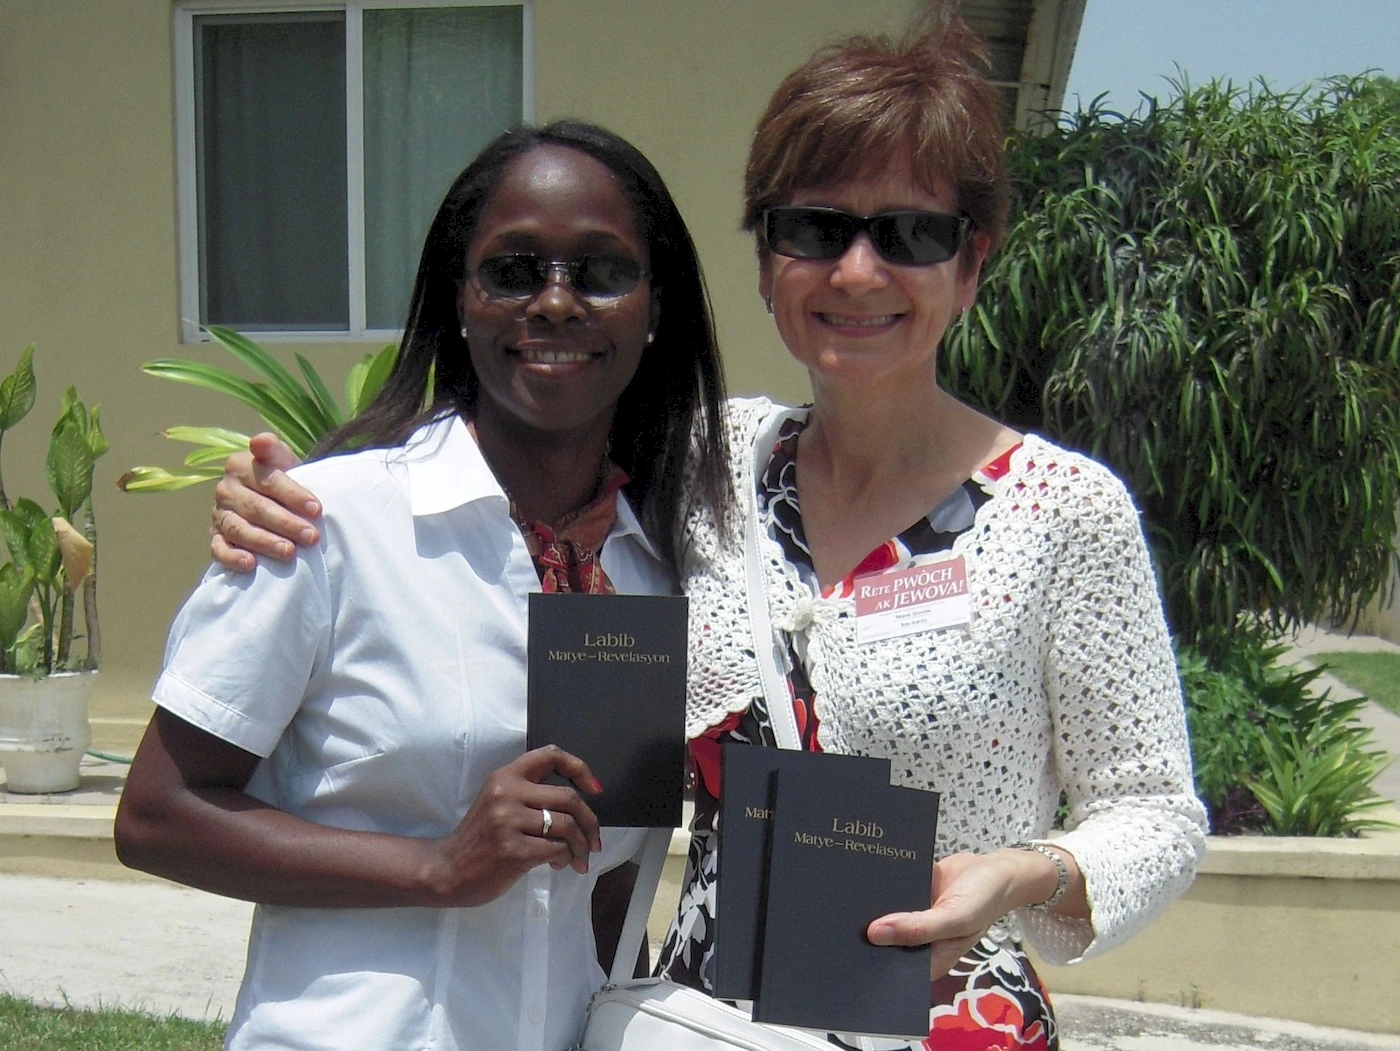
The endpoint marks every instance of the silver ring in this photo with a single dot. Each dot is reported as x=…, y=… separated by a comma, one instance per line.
x=547, y=823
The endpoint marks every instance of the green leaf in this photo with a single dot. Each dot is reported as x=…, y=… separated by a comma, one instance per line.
x=215, y=437
x=282, y=385
x=215, y=444
x=69, y=468
x=160, y=480
x=42, y=551
x=354, y=384
x=73, y=413
x=319, y=393
x=367, y=378
x=297, y=432
x=17, y=391
x=16, y=587
x=15, y=528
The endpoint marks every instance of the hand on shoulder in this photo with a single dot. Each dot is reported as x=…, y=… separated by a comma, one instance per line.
x=258, y=509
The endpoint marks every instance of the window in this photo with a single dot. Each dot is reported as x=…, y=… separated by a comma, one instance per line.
x=315, y=143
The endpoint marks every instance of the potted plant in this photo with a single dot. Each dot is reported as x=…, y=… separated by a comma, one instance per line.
x=44, y=679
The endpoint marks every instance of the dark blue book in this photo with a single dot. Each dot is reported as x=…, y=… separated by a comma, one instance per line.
x=607, y=684
x=843, y=854
x=745, y=811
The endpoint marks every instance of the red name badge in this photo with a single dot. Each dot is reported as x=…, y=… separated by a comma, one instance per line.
x=930, y=593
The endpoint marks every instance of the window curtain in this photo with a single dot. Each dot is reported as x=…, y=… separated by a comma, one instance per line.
x=439, y=84
x=272, y=200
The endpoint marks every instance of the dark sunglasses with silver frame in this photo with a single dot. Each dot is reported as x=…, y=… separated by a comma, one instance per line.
x=595, y=278
x=906, y=238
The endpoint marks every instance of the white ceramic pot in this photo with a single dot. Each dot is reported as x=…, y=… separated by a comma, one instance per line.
x=44, y=730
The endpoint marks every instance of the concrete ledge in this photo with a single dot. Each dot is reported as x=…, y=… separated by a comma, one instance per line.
x=56, y=819
x=55, y=839
x=1292, y=928
x=1375, y=857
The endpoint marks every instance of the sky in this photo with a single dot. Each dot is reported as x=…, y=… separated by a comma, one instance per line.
x=1127, y=46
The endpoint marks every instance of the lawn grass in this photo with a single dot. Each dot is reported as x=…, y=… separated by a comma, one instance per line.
x=27, y=1027
x=1377, y=675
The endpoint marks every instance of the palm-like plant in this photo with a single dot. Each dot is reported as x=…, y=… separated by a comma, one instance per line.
x=300, y=415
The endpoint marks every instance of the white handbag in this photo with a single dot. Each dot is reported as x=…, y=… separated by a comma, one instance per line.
x=653, y=1014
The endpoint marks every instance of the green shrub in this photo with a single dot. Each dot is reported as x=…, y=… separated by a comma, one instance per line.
x=1270, y=754
x=1317, y=778
x=1206, y=296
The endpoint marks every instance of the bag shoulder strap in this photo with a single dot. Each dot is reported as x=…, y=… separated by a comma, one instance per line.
x=650, y=860
x=765, y=646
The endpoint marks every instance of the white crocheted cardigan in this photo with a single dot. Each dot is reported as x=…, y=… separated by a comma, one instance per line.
x=1063, y=680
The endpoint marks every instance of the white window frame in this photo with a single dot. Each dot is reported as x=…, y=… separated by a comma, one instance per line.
x=187, y=186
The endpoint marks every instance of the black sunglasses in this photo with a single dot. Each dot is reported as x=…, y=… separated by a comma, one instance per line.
x=903, y=238
x=594, y=278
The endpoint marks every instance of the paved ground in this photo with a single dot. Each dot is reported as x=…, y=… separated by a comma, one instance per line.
x=170, y=949
x=1091, y=1024
x=140, y=945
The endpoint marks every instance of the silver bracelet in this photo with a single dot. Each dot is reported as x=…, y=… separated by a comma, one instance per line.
x=1061, y=870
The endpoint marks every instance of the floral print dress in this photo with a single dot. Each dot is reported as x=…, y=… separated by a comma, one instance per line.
x=992, y=998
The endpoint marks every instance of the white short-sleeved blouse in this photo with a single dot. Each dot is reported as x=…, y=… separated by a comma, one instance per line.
x=382, y=676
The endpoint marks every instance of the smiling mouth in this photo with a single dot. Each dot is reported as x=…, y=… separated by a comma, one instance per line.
x=842, y=321
x=539, y=356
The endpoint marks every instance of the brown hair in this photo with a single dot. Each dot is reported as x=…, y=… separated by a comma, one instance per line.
x=869, y=102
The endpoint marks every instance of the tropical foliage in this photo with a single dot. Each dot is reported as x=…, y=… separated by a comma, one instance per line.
x=300, y=415
x=1271, y=753
x=1206, y=295
x=52, y=553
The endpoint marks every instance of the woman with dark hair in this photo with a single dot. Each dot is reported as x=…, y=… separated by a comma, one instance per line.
x=363, y=778
x=875, y=189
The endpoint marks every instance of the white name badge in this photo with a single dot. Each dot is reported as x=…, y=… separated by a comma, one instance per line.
x=929, y=593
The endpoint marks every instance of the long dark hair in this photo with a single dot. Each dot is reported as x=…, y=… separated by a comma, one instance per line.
x=677, y=394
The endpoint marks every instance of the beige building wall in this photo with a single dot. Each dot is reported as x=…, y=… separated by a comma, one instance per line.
x=88, y=262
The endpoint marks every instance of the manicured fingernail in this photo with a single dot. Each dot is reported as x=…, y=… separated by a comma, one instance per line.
x=881, y=934
x=284, y=549
x=313, y=507
x=308, y=536
x=596, y=845
x=597, y=786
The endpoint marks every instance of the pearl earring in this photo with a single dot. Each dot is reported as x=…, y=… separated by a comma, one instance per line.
x=768, y=304
x=464, y=333
x=651, y=337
